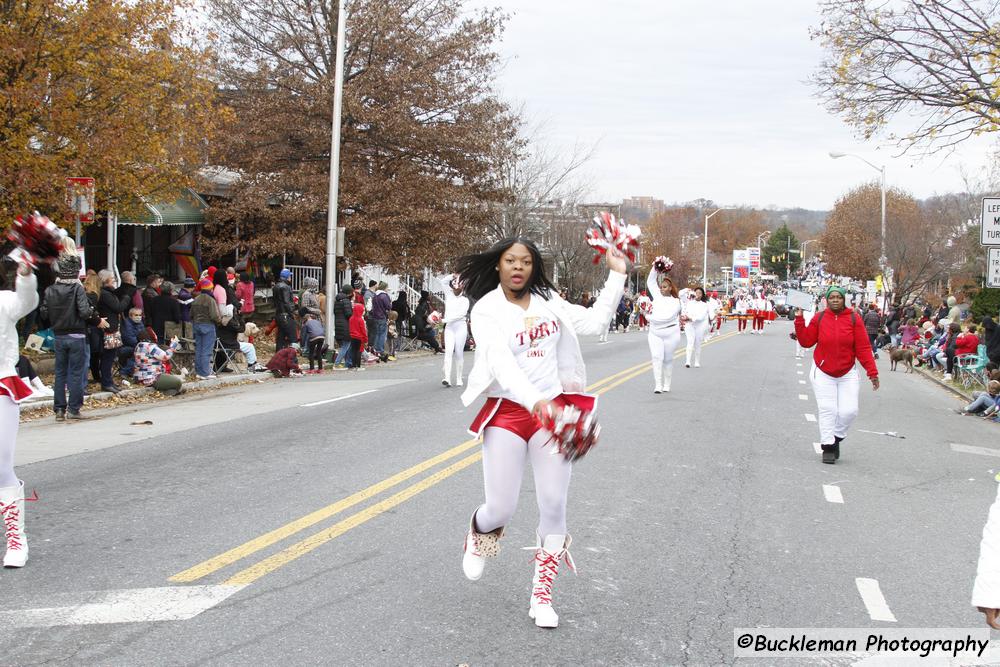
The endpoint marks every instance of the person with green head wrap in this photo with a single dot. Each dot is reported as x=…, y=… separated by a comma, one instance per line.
x=840, y=339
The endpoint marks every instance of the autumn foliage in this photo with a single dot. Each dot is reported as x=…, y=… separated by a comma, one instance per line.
x=116, y=90
x=421, y=127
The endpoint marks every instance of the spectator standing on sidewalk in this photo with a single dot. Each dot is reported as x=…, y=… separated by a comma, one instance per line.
x=991, y=337
x=392, y=335
x=343, y=310
x=381, y=305
x=309, y=300
x=151, y=361
x=150, y=292
x=402, y=308
x=359, y=335
x=166, y=308
x=113, y=304
x=67, y=310
x=313, y=340
x=284, y=311
x=95, y=335
x=204, y=316
x=244, y=292
x=873, y=322
x=185, y=297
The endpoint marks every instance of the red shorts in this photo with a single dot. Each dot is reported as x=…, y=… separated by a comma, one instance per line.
x=514, y=417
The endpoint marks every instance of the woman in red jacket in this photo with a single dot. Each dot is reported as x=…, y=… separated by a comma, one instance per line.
x=359, y=335
x=841, y=341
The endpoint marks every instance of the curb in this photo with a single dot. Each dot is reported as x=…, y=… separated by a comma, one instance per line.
x=48, y=403
x=941, y=383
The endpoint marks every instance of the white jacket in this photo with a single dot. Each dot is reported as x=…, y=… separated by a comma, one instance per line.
x=13, y=306
x=696, y=311
x=986, y=590
x=666, y=309
x=455, y=307
x=495, y=369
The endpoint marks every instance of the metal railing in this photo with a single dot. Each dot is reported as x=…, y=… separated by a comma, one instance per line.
x=299, y=273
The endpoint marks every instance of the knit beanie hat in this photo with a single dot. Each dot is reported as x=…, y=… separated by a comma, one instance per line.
x=189, y=282
x=836, y=288
x=68, y=266
x=206, y=285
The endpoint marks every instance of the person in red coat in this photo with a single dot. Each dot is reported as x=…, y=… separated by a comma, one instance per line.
x=839, y=335
x=359, y=334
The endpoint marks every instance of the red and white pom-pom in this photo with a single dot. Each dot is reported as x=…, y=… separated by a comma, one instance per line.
x=434, y=317
x=606, y=232
x=645, y=305
x=574, y=431
x=38, y=239
x=663, y=264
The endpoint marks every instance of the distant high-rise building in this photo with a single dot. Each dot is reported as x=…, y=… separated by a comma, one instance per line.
x=637, y=209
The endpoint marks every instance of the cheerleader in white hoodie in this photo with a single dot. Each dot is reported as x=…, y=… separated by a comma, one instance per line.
x=456, y=332
x=664, y=328
x=13, y=306
x=528, y=364
x=696, y=325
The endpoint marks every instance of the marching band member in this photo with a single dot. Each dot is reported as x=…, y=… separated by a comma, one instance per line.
x=742, y=310
x=529, y=365
x=759, y=312
x=664, y=324
x=456, y=332
x=696, y=316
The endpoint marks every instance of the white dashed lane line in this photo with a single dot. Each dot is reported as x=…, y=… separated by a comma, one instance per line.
x=874, y=601
x=970, y=449
x=810, y=417
x=802, y=381
x=339, y=398
x=832, y=494
x=818, y=448
x=803, y=397
x=801, y=372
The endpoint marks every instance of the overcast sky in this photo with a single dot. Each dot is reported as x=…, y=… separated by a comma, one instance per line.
x=692, y=99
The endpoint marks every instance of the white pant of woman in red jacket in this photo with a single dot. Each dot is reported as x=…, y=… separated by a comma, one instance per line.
x=836, y=403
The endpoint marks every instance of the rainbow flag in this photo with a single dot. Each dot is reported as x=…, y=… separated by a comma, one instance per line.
x=249, y=265
x=186, y=254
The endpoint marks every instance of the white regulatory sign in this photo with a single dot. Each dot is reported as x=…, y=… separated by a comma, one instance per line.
x=990, y=234
x=993, y=267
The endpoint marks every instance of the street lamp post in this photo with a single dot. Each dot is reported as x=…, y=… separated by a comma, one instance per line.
x=802, y=247
x=762, y=235
x=882, y=260
x=704, y=264
x=334, y=193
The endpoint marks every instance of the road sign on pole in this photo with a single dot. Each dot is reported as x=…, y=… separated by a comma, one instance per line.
x=993, y=267
x=990, y=231
x=80, y=195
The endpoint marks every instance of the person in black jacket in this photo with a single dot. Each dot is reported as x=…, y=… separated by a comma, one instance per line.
x=991, y=337
x=67, y=310
x=402, y=308
x=425, y=331
x=166, y=308
x=284, y=311
x=343, y=308
x=111, y=305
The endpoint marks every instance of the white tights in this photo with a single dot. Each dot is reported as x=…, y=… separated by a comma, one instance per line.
x=9, y=420
x=663, y=343
x=695, y=337
x=504, y=454
x=455, y=335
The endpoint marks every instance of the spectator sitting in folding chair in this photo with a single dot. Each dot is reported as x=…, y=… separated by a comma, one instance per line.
x=247, y=347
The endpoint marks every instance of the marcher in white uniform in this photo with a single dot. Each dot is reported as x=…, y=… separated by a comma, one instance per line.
x=528, y=363
x=13, y=306
x=741, y=309
x=456, y=332
x=986, y=590
x=696, y=314
x=664, y=328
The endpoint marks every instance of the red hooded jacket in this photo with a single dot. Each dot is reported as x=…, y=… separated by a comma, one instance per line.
x=357, y=322
x=840, y=340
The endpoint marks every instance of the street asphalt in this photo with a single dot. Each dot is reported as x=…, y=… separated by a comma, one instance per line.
x=346, y=498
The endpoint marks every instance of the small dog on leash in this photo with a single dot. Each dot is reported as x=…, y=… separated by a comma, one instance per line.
x=897, y=354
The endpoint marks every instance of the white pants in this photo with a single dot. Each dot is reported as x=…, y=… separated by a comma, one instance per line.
x=455, y=335
x=836, y=402
x=504, y=454
x=695, y=332
x=249, y=352
x=9, y=421
x=663, y=343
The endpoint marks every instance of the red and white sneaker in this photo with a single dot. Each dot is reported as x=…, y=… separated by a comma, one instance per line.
x=479, y=547
x=12, y=515
x=548, y=554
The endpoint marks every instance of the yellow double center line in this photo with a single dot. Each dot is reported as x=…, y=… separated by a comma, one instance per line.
x=285, y=556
